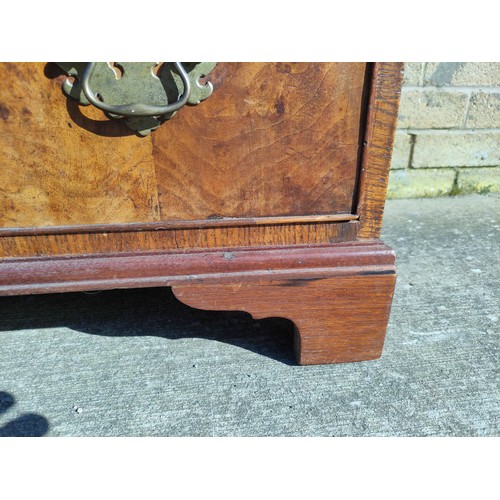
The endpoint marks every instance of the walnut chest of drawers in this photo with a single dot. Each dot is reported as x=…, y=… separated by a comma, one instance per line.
x=267, y=197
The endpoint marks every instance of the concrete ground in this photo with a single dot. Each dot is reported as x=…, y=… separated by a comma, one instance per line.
x=139, y=363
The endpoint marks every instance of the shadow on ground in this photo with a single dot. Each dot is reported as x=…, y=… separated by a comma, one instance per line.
x=149, y=311
x=27, y=425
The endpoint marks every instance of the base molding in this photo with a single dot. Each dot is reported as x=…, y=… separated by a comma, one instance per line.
x=338, y=296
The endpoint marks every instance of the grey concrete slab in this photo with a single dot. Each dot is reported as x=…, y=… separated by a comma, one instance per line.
x=139, y=363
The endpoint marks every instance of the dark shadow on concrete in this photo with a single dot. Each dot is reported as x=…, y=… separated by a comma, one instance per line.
x=27, y=425
x=6, y=401
x=147, y=311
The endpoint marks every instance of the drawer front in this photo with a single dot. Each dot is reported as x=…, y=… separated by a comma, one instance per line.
x=273, y=140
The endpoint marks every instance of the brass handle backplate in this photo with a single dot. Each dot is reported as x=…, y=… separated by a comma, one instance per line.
x=143, y=94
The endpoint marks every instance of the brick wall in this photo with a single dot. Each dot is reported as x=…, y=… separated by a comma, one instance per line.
x=448, y=136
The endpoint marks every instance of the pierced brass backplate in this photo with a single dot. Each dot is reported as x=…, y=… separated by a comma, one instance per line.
x=143, y=94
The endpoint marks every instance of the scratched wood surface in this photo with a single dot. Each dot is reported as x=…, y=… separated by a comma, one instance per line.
x=273, y=140
x=154, y=240
x=61, y=167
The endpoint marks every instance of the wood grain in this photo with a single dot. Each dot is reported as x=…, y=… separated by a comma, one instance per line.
x=273, y=139
x=337, y=320
x=55, y=170
x=176, y=224
x=376, y=158
x=158, y=239
x=124, y=270
x=245, y=202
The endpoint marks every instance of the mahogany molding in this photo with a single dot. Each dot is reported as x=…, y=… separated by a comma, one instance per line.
x=151, y=269
x=338, y=296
